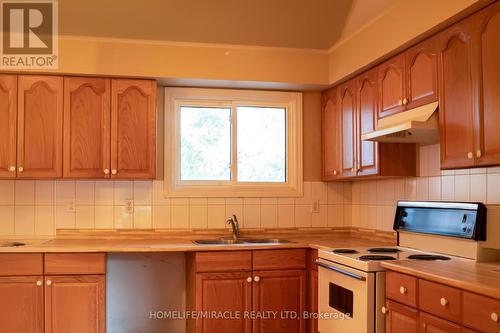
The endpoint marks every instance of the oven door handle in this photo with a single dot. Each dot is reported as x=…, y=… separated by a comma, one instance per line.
x=340, y=270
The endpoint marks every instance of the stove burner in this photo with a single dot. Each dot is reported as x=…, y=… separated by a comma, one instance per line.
x=384, y=250
x=345, y=251
x=375, y=257
x=428, y=257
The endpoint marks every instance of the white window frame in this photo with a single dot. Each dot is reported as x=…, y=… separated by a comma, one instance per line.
x=177, y=97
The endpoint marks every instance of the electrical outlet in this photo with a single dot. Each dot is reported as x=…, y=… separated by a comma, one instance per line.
x=315, y=206
x=70, y=206
x=129, y=206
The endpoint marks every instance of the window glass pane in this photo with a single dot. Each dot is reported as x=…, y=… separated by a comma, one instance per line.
x=205, y=143
x=261, y=145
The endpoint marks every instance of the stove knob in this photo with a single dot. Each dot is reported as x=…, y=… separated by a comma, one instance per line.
x=402, y=290
x=384, y=310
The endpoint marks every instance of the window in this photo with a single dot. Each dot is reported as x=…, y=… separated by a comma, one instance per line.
x=223, y=142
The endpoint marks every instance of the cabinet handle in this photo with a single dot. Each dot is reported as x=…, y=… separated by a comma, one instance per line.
x=443, y=301
x=49, y=282
x=402, y=290
x=256, y=279
x=353, y=169
x=249, y=279
x=478, y=154
x=384, y=310
x=494, y=317
x=334, y=172
x=38, y=283
x=20, y=169
x=12, y=169
x=106, y=171
x=114, y=172
x=400, y=102
x=405, y=101
x=469, y=155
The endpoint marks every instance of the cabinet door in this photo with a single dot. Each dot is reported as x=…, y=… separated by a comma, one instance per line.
x=40, y=124
x=421, y=73
x=367, y=151
x=456, y=96
x=391, y=86
x=133, y=129
x=347, y=109
x=431, y=324
x=87, y=131
x=281, y=292
x=8, y=114
x=401, y=318
x=488, y=117
x=21, y=306
x=224, y=292
x=75, y=304
x=331, y=143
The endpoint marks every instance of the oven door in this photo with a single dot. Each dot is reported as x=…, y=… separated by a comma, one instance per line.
x=346, y=299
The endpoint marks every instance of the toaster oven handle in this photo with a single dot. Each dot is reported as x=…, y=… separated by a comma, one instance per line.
x=339, y=270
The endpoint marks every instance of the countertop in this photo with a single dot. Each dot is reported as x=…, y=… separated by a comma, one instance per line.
x=478, y=277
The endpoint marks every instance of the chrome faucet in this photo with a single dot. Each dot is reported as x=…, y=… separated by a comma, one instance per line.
x=233, y=221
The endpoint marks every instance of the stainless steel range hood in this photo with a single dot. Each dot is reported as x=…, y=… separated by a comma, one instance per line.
x=419, y=125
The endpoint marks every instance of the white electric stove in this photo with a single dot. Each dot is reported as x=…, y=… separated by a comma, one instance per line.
x=351, y=285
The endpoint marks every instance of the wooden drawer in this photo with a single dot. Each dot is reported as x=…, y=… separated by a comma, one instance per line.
x=223, y=261
x=279, y=259
x=479, y=312
x=402, y=288
x=440, y=300
x=75, y=263
x=21, y=264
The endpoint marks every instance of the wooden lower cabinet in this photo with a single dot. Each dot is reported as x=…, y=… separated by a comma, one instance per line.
x=432, y=324
x=21, y=306
x=401, y=318
x=75, y=304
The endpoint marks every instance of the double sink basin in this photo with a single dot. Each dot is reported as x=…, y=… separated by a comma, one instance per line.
x=242, y=241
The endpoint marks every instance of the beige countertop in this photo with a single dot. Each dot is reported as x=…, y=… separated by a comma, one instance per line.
x=477, y=277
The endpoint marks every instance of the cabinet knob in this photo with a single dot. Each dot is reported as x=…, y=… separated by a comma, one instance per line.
x=478, y=154
x=38, y=283
x=405, y=101
x=400, y=102
x=20, y=169
x=106, y=171
x=443, y=301
x=256, y=279
x=353, y=169
x=12, y=169
x=384, y=310
x=402, y=290
x=49, y=282
x=469, y=155
x=114, y=172
x=334, y=172
x=494, y=317
x=249, y=279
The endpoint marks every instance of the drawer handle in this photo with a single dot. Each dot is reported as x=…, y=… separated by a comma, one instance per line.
x=402, y=290
x=249, y=279
x=494, y=317
x=384, y=310
x=443, y=301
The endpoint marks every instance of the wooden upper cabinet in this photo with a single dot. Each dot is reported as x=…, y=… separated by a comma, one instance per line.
x=223, y=292
x=347, y=109
x=401, y=318
x=21, y=305
x=133, y=129
x=456, y=96
x=367, y=151
x=87, y=127
x=421, y=68
x=391, y=86
x=331, y=142
x=8, y=114
x=279, y=291
x=40, y=126
x=75, y=304
x=487, y=145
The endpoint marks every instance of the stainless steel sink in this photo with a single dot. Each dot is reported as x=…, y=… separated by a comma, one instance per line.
x=247, y=241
